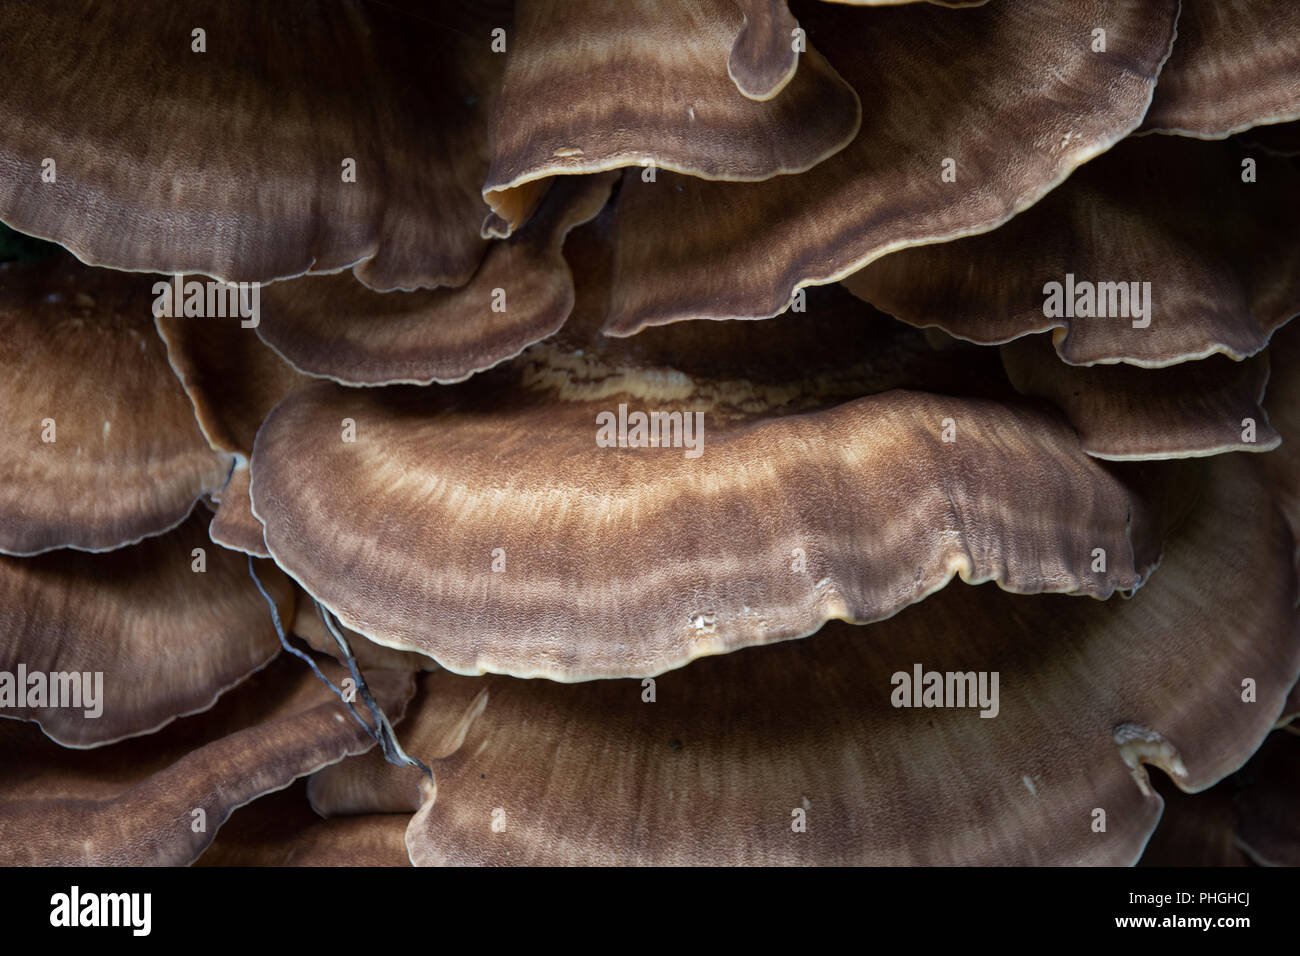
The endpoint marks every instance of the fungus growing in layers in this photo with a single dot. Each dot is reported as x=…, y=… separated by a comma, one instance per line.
x=496, y=499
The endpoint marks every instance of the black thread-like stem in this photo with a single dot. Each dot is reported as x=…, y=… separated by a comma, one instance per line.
x=279, y=631
x=386, y=736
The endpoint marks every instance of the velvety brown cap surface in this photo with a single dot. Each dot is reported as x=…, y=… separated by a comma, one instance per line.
x=133, y=804
x=694, y=249
x=1214, y=258
x=101, y=446
x=718, y=767
x=166, y=638
x=1234, y=66
x=231, y=162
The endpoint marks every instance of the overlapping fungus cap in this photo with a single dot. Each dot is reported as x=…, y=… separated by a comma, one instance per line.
x=1222, y=261
x=766, y=52
x=138, y=802
x=101, y=446
x=308, y=625
x=1127, y=413
x=1046, y=105
x=440, y=520
x=740, y=553
x=592, y=86
x=599, y=773
x=249, y=141
x=233, y=380
x=1234, y=66
x=337, y=328
x=281, y=829
x=167, y=625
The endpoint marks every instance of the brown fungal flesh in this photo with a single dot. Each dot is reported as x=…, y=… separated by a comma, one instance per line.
x=615, y=404
x=101, y=445
x=585, y=771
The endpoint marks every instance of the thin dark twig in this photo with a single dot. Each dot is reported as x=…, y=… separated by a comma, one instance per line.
x=279, y=631
x=387, y=738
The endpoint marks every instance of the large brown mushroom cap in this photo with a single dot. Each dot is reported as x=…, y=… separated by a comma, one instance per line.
x=1234, y=66
x=230, y=162
x=737, y=541
x=1125, y=413
x=134, y=803
x=592, y=86
x=523, y=291
x=166, y=638
x=1221, y=260
x=1050, y=105
x=1090, y=692
x=632, y=561
x=101, y=448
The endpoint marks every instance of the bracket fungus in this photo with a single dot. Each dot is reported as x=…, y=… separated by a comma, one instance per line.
x=388, y=477
x=265, y=143
x=1125, y=413
x=1162, y=251
x=101, y=448
x=1234, y=67
x=585, y=772
x=460, y=481
x=333, y=327
x=159, y=800
x=661, y=98
x=494, y=561
x=152, y=632
x=1050, y=106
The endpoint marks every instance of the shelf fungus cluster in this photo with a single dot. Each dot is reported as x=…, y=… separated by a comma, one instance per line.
x=548, y=432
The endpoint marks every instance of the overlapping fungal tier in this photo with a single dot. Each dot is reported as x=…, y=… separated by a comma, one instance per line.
x=607, y=395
